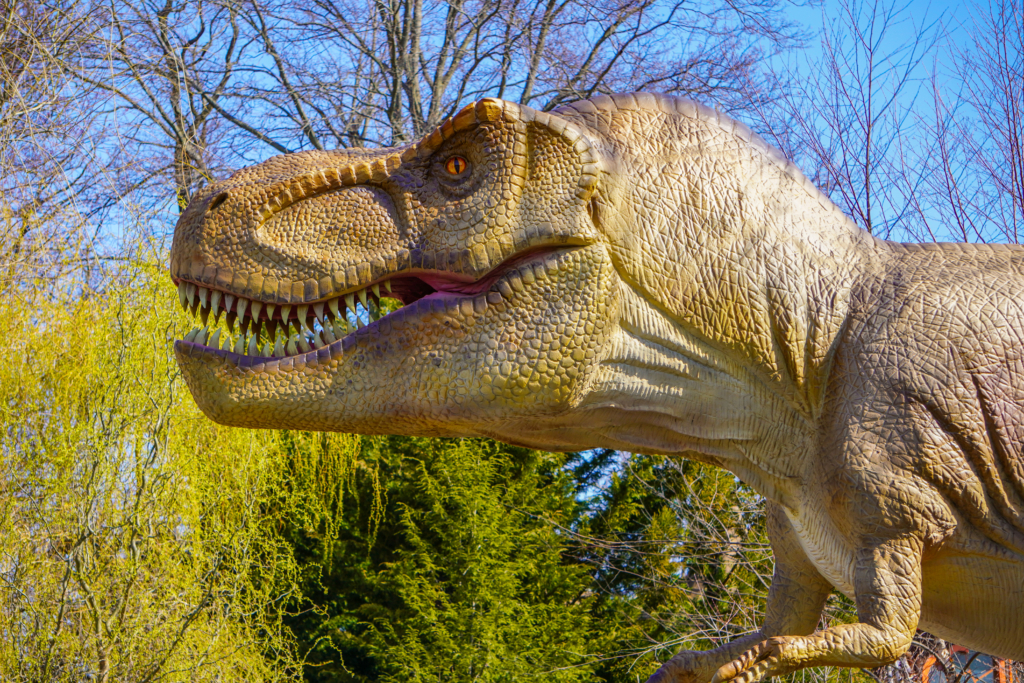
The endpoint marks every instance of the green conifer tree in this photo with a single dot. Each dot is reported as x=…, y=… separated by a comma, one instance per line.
x=448, y=565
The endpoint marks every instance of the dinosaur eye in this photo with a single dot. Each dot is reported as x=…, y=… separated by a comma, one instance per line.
x=456, y=165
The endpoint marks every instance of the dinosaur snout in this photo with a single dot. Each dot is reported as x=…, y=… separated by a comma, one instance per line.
x=341, y=226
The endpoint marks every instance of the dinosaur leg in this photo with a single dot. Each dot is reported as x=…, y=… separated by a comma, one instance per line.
x=795, y=600
x=887, y=586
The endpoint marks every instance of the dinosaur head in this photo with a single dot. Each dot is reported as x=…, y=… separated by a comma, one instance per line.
x=455, y=286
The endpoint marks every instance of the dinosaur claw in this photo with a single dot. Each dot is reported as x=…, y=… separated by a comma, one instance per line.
x=758, y=672
x=756, y=664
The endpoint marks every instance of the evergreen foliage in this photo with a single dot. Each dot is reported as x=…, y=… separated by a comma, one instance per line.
x=446, y=568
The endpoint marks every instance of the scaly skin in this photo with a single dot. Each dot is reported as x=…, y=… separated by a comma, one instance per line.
x=642, y=273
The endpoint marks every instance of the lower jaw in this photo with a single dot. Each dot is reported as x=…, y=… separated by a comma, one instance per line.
x=258, y=392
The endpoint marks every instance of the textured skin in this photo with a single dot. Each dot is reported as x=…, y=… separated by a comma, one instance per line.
x=642, y=273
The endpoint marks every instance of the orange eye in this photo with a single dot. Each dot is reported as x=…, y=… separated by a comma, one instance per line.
x=456, y=165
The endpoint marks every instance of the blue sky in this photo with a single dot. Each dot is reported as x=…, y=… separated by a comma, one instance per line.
x=946, y=23
x=917, y=12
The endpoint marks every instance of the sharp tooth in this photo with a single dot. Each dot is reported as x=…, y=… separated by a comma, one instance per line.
x=329, y=334
x=229, y=302
x=303, y=344
x=350, y=301
x=278, y=348
x=203, y=292
x=318, y=340
x=515, y=281
x=286, y=312
x=182, y=297
x=253, y=346
x=333, y=305
x=291, y=349
x=215, y=303
x=240, y=309
x=318, y=311
x=227, y=342
x=362, y=298
x=387, y=285
x=191, y=336
x=267, y=350
x=190, y=292
x=270, y=311
x=255, y=309
x=215, y=339
x=376, y=290
x=240, y=345
x=201, y=337
x=340, y=328
x=303, y=311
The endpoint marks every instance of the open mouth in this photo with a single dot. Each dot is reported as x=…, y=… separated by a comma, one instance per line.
x=240, y=327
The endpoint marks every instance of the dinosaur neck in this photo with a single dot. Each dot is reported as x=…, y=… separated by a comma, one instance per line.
x=734, y=244
x=735, y=293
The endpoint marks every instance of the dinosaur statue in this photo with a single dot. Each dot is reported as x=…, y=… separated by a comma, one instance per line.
x=642, y=273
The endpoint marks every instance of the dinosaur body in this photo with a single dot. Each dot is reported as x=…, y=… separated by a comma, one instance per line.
x=639, y=272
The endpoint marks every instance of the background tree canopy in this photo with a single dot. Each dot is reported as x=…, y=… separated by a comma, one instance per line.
x=141, y=542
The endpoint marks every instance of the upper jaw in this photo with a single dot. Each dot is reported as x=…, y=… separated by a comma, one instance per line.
x=323, y=283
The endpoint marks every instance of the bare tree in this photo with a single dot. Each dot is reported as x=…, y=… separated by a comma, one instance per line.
x=851, y=126
x=42, y=127
x=953, y=170
x=977, y=187
x=163, y=67
x=350, y=72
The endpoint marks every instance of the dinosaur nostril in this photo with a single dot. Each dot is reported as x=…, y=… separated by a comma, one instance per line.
x=217, y=201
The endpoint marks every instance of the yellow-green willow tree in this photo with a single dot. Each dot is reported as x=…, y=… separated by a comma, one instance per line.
x=137, y=538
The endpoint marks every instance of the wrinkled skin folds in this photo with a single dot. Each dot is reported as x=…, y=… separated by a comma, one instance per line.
x=640, y=272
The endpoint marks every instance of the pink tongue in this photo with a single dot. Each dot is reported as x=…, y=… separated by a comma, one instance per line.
x=449, y=285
